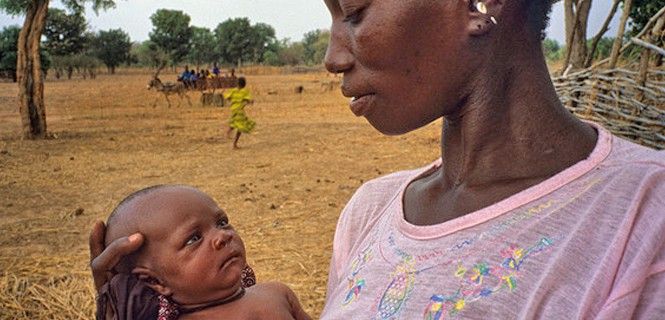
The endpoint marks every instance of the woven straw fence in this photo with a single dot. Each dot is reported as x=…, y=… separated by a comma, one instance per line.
x=614, y=99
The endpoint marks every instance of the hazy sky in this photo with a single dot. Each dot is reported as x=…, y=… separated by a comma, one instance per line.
x=290, y=18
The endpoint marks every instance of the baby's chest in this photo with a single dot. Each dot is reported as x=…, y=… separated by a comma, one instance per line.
x=256, y=308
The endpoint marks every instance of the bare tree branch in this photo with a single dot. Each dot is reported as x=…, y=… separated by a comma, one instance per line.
x=627, y=4
x=646, y=28
x=648, y=45
x=601, y=33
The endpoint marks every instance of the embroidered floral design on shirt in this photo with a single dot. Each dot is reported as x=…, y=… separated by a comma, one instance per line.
x=403, y=279
x=483, y=280
x=397, y=292
x=355, y=283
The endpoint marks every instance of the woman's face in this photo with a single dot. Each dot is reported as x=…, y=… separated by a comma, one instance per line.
x=402, y=60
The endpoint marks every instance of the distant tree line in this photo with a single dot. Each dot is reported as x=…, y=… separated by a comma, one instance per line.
x=69, y=47
x=234, y=42
x=556, y=52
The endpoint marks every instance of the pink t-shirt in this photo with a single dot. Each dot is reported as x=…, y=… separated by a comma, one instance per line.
x=588, y=243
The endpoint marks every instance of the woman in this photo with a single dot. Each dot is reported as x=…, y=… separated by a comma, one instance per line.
x=529, y=213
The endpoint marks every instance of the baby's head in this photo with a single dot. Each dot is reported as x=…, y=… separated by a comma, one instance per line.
x=190, y=253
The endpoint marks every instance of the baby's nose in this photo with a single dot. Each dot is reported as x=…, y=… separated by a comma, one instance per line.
x=221, y=240
x=218, y=243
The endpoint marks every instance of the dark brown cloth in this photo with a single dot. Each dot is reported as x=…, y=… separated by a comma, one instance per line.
x=129, y=298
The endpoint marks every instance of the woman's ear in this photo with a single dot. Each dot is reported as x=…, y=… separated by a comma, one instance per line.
x=483, y=15
x=152, y=280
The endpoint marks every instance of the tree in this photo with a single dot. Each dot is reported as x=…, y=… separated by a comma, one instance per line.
x=551, y=49
x=292, y=53
x=271, y=58
x=641, y=12
x=149, y=54
x=263, y=37
x=65, y=33
x=240, y=41
x=8, y=49
x=8, y=44
x=616, y=47
x=315, y=44
x=576, y=16
x=112, y=48
x=591, y=52
x=29, y=67
x=603, y=48
x=203, y=47
x=171, y=33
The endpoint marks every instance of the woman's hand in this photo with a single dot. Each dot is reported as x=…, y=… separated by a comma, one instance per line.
x=104, y=259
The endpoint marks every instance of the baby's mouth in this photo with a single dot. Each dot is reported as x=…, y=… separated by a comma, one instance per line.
x=230, y=259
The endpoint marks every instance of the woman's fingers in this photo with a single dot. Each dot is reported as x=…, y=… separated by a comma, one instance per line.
x=96, y=240
x=102, y=265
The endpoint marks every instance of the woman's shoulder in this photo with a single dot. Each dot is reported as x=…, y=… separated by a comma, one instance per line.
x=628, y=153
x=375, y=196
x=395, y=182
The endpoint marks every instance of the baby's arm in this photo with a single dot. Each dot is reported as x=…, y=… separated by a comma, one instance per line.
x=296, y=309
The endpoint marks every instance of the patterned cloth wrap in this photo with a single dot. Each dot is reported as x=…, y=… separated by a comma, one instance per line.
x=131, y=299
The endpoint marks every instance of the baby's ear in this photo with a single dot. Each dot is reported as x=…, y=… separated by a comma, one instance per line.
x=152, y=280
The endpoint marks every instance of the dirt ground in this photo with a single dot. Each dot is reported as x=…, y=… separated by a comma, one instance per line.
x=283, y=190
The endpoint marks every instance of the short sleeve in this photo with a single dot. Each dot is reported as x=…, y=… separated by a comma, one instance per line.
x=247, y=96
x=651, y=304
x=341, y=247
x=645, y=303
x=228, y=94
x=641, y=281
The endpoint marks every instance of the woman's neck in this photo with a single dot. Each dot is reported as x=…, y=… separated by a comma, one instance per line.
x=511, y=128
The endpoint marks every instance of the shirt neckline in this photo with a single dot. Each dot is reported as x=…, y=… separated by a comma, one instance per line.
x=599, y=153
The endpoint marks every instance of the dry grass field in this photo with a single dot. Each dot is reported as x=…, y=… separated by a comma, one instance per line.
x=283, y=190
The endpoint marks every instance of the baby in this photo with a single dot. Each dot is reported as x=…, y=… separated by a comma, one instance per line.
x=191, y=258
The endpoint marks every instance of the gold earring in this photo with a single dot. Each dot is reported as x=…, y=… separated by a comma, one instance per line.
x=481, y=7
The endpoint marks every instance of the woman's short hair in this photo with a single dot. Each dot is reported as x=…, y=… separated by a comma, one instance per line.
x=538, y=12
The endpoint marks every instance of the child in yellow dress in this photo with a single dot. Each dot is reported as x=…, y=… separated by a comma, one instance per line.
x=239, y=98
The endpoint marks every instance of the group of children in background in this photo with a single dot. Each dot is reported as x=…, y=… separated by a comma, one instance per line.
x=190, y=77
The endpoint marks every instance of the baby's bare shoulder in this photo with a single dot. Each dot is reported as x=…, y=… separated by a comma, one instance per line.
x=270, y=300
x=262, y=301
x=284, y=299
x=272, y=287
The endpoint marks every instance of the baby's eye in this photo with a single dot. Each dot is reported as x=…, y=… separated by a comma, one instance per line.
x=222, y=222
x=193, y=239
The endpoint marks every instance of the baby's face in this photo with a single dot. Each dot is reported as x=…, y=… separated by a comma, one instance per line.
x=190, y=245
